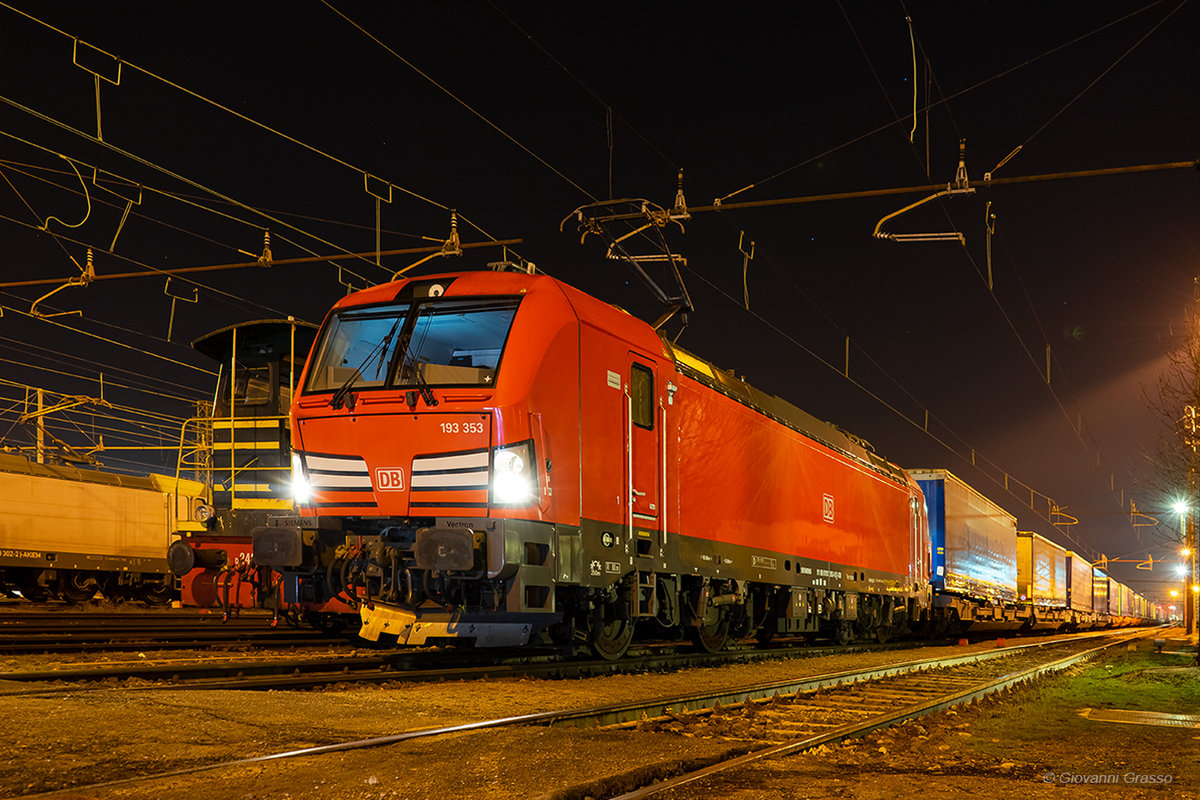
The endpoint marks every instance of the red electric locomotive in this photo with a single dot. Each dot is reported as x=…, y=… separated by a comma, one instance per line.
x=499, y=457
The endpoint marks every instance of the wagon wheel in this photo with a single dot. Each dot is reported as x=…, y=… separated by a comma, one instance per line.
x=609, y=631
x=156, y=593
x=78, y=587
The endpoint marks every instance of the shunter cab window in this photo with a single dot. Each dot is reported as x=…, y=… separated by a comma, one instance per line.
x=641, y=390
x=252, y=386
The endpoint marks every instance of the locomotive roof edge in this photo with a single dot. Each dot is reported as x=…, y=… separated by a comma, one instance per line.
x=782, y=411
x=18, y=464
x=721, y=381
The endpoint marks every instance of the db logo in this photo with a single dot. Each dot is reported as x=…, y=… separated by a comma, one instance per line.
x=827, y=507
x=389, y=479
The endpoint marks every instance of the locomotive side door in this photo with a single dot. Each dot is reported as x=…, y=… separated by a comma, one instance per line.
x=644, y=466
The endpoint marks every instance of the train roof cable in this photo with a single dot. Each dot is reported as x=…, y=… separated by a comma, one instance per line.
x=972, y=457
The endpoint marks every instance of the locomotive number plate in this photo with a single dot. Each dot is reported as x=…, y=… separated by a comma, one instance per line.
x=473, y=428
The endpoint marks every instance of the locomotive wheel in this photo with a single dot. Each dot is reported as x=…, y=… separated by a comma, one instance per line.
x=882, y=633
x=609, y=634
x=712, y=636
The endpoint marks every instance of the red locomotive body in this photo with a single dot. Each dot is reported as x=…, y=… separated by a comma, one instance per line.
x=498, y=456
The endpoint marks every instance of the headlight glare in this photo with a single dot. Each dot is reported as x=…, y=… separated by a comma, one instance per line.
x=301, y=490
x=514, y=480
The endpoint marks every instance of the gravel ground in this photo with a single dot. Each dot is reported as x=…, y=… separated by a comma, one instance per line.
x=89, y=737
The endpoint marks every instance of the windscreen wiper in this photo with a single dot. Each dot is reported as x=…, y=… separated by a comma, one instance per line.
x=418, y=376
x=342, y=396
x=339, y=397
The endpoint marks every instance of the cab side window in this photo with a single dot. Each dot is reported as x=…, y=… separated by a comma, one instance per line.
x=641, y=390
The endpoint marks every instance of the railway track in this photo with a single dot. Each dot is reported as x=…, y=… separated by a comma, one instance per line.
x=825, y=713
x=65, y=632
x=411, y=665
x=773, y=719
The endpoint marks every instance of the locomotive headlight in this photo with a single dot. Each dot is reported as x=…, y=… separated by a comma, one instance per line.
x=204, y=512
x=514, y=478
x=301, y=490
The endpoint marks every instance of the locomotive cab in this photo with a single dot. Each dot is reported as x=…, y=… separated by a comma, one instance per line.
x=418, y=468
x=239, y=447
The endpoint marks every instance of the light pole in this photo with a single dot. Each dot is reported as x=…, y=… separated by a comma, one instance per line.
x=1191, y=585
x=1188, y=571
x=1191, y=591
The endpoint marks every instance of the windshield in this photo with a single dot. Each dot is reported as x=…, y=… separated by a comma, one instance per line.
x=438, y=342
x=360, y=344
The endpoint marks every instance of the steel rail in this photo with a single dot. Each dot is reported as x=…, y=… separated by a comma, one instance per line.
x=858, y=728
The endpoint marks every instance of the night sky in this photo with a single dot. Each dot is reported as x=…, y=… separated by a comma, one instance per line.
x=515, y=114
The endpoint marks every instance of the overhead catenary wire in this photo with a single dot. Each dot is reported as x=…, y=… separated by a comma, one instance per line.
x=1091, y=448
x=163, y=170
x=457, y=99
x=367, y=174
x=107, y=382
x=1107, y=70
x=149, y=384
x=56, y=323
x=158, y=272
x=61, y=237
x=759, y=183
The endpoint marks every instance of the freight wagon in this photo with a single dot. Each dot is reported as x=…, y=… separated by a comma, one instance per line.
x=69, y=533
x=1079, y=591
x=974, y=543
x=1042, y=581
